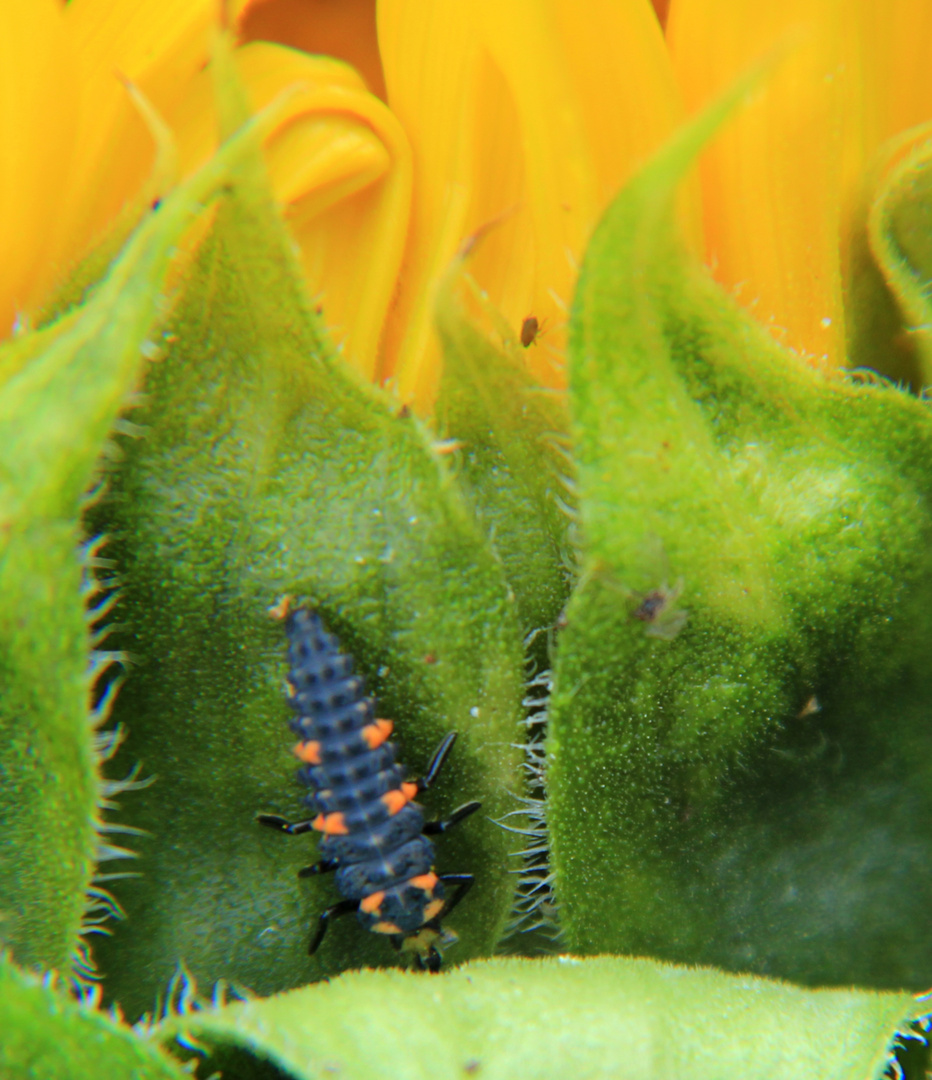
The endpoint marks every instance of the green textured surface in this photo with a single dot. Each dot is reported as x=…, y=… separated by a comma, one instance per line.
x=267, y=469
x=556, y=1018
x=61, y=391
x=512, y=460
x=898, y=234
x=45, y=1035
x=874, y=324
x=700, y=808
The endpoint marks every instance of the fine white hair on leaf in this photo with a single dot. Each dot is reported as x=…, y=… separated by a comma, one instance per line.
x=534, y=914
x=101, y=595
x=910, y=1045
x=567, y=510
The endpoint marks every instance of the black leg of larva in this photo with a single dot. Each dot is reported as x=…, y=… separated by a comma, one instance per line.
x=432, y=828
x=463, y=883
x=284, y=825
x=432, y=962
x=436, y=762
x=345, y=907
x=324, y=866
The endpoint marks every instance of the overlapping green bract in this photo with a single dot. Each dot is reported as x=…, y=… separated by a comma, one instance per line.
x=47, y=1034
x=891, y=289
x=267, y=470
x=740, y=753
x=606, y=1018
x=61, y=390
x=511, y=456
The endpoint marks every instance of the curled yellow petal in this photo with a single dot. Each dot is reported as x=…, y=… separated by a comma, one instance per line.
x=887, y=50
x=888, y=92
x=773, y=179
x=340, y=165
x=37, y=127
x=532, y=113
x=159, y=45
x=344, y=30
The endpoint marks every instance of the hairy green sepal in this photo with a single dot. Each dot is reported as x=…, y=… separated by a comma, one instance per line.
x=47, y=1034
x=548, y=1019
x=61, y=389
x=267, y=469
x=509, y=445
x=740, y=759
x=890, y=281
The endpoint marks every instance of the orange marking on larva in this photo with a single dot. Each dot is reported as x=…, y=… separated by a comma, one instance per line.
x=424, y=881
x=290, y=690
x=375, y=734
x=409, y=788
x=372, y=902
x=331, y=824
x=386, y=928
x=395, y=800
x=280, y=610
x=307, y=751
x=433, y=909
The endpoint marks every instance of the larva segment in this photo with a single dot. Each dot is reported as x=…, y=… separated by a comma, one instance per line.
x=395, y=800
x=308, y=752
x=375, y=734
x=372, y=832
x=331, y=824
x=371, y=903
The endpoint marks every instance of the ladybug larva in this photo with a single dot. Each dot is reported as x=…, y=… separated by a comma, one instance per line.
x=373, y=835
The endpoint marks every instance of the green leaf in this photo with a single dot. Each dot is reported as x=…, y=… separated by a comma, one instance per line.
x=873, y=319
x=739, y=754
x=897, y=231
x=47, y=1034
x=61, y=391
x=560, y=1017
x=268, y=469
x=511, y=457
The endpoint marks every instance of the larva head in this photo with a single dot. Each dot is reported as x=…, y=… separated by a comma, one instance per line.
x=422, y=945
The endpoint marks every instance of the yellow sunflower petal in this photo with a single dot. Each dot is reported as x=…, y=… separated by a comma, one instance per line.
x=890, y=47
x=339, y=162
x=889, y=90
x=158, y=44
x=772, y=180
x=37, y=127
x=534, y=112
x=345, y=30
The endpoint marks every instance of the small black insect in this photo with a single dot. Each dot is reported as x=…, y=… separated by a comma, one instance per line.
x=531, y=329
x=651, y=606
x=373, y=834
x=658, y=609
